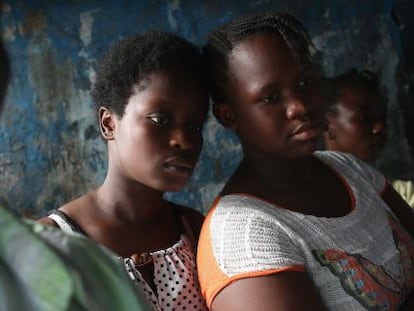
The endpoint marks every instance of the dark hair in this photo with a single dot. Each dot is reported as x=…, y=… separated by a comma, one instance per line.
x=222, y=41
x=353, y=78
x=5, y=72
x=134, y=58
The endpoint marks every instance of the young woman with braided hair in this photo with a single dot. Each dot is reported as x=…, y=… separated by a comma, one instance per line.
x=294, y=228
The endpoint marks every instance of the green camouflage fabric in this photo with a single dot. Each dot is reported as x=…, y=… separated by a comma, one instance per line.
x=41, y=268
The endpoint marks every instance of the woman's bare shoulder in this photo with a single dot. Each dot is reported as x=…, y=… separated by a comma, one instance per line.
x=72, y=209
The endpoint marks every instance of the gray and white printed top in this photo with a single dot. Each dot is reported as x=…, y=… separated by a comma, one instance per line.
x=361, y=261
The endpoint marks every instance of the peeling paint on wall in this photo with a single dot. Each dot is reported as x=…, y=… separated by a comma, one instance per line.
x=51, y=148
x=86, y=22
x=172, y=7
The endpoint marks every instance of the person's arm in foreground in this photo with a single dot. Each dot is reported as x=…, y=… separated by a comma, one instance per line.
x=280, y=291
x=65, y=272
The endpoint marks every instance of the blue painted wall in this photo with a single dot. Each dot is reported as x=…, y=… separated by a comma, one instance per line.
x=51, y=150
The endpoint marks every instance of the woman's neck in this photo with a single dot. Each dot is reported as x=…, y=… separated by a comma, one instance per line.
x=286, y=171
x=128, y=201
x=274, y=174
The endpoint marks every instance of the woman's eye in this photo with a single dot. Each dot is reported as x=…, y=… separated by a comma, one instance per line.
x=306, y=82
x=366, y=118
x=362, y=119
x=196, y=128
x=271, y=98
x=158, y=119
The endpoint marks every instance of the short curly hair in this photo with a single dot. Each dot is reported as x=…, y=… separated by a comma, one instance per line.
x=134, y=58
x=223, y=40
x=365, y=79
x=353, y=77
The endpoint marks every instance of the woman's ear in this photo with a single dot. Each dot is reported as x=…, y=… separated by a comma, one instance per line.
x=225, y=115
x=330, y=121
x=106, y=123
x=331, y=133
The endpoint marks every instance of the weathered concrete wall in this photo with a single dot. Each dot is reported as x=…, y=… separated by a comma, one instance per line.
x=51, y=150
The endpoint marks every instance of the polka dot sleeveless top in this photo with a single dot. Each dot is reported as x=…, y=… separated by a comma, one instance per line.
x=175, y=273
x=175, y=277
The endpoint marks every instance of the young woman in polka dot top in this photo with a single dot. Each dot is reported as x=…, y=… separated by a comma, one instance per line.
x=151, y=104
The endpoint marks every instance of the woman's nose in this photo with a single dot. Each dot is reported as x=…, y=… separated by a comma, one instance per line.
x=378, y=127
x=296, y=107
x=181, y=139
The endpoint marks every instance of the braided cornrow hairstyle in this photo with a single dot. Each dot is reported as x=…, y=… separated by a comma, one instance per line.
x=222, y=41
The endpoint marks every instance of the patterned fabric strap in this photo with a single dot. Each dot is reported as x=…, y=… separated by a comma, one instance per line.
x=65, y=223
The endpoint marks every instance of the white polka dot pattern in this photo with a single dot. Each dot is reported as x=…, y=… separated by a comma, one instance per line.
x=175, y=278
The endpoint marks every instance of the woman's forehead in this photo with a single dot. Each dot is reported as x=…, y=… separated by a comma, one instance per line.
x=264, y=48
x=270, y=40
x=265, y=57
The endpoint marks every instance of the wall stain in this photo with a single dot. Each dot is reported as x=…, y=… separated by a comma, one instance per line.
x=35, y=23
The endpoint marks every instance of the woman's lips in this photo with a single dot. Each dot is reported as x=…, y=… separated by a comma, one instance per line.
x=306, y=131
x=180, y=166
